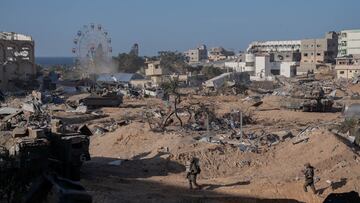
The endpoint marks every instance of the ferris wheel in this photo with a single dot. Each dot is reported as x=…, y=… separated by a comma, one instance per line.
x=91, y=43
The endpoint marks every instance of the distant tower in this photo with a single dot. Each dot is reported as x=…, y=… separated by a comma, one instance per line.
x=135, y=49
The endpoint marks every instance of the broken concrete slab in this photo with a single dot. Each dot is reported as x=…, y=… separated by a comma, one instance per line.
x=36, y=133
x=8, y=110
x=84, y=129
x=20, y=132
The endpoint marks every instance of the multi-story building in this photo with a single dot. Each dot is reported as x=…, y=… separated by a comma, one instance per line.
x=17, y=61
x=154, y=71
x=320, y=50
x=219, y=53
x=349, y=43
x=316, y=53
x=279, y=51
x=347, y=67
x=274, y=46
x=196, y=55
x=286, y=56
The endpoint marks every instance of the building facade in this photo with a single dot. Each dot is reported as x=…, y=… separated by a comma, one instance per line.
x=196, y=55
x=274, y=46
x=349, y=43
x=154, y=71
x=17, y=61
x=347, y=67
x=323, y=50
x=219, y=53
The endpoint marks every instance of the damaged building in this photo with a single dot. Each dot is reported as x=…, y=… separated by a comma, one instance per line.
x=17, y=60
x=318, y=52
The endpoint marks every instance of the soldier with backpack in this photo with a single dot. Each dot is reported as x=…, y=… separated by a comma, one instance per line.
x=309, y=177
x=192, y=171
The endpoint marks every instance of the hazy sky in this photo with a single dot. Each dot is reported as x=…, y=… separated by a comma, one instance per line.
x=175, y=24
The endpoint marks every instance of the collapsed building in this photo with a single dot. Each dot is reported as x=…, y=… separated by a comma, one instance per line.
x=17, y=61
x=41, y=156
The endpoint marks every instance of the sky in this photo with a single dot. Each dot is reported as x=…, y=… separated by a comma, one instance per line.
x=175, y=25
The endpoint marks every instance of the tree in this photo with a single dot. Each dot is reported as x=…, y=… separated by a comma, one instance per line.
x=211, y=71
x=129, y=63
x=172, y=62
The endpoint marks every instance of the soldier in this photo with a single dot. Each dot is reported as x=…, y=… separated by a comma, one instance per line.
x=193, y=171
x=309, y=177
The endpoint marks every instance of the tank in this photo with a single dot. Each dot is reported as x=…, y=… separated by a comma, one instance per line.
x=96, y=101
x=308, y=98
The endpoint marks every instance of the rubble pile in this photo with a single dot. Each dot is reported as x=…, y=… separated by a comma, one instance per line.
x=37, y=148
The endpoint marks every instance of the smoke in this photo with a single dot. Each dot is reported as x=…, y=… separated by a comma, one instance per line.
x=97, y=66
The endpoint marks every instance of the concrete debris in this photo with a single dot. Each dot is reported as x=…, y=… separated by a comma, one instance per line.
x=303, y=135
x=20, y=132
x=283, y=135
x=8, y=111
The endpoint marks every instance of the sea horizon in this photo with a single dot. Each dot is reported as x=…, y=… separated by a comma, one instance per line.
x=47, y=61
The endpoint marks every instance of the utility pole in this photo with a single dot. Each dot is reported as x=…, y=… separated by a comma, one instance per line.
x=241, y=124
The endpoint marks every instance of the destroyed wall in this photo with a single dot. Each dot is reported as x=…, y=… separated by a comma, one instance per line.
x=17, y=61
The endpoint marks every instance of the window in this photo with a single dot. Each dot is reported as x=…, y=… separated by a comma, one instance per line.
x=342, y=72
x=350, y=71
x=318, y=45
x=312, y=53
x=305, y=54
x=319, y=54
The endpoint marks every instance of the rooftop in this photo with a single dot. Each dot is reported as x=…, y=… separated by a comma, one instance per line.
x=14, y=36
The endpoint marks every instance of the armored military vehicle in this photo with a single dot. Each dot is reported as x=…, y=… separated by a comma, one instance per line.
x=308, y=97
x=105, y=99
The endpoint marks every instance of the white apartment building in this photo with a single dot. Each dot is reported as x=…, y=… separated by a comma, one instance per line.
x=274, y=46
x=349, y=43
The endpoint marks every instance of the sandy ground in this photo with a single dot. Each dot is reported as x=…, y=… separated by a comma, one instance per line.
x=152, y=167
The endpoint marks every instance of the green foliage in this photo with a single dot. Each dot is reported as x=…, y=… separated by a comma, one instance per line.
x=172, y=62
x=170, y=87
x=211, y=71
x=129, y=63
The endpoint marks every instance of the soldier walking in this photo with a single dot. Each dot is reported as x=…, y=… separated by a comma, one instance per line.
x=192, y=172
x=309, y=177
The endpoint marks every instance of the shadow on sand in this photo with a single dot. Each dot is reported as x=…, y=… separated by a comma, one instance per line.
x=125, y=183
